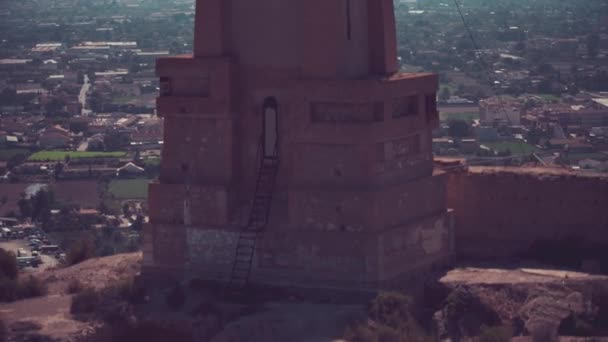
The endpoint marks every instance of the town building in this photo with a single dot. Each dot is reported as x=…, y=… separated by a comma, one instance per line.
x=503, y=110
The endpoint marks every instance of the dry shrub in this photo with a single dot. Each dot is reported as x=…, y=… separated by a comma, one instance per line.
x=74, y=286
x=31, y=287
x=15, y=289
x=112, y=305
x=147, y=331
x=126, y=290
x=176, y=298
x=8, y=289
x=543, y=332
x=85, y=302
x=8, y=265
x=80, y=251
x=390, y=320
x=495, y=334
x=3, y=331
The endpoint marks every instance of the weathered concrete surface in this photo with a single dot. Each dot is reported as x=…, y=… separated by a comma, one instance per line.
x=308, y=258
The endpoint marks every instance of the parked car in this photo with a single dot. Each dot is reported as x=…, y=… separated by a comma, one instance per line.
x=34, y=242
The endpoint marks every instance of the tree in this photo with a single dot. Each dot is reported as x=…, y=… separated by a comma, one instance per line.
x=458, y=128
x=138, y=223
x=41, y=205
x=114, y=141
x=55, y=107
x=8, y=96
x=8, y=265
x=58, y=169
x=25, y=207
x=80, y=251
x=126, y=210
x=445, y=94
x=16, y=160
x=78, y=127
x=593, y=45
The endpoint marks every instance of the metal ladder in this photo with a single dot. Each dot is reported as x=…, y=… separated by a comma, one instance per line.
x=258, y=219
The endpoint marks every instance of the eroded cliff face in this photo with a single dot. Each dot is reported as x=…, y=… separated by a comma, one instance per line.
x=505, y=212
x=527, y=301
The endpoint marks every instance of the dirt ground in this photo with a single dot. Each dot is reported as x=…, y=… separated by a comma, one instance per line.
x=50, y=315
x=472, y=275
x=96, y=273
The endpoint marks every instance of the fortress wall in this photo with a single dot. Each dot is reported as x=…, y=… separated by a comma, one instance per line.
x=502, y=211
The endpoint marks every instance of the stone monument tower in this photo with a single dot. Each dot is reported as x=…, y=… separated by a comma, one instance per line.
x=295, y=153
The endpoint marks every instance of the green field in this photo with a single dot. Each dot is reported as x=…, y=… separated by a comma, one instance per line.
x=129, y=188
x=152, y=162
x=514, y=147
x=60, y=155
x=466, y=116
x=548, y=97
x=6, y=154
x=123, y=100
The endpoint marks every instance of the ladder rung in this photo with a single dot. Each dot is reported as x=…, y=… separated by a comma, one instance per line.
x=246, y=243
x=247, y=247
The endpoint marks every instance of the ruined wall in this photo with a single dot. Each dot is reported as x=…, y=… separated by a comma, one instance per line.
x=504, y=211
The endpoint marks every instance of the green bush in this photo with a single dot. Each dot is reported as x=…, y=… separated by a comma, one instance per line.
x=495, y=334
x=80, y=251
x=85, y=302
x=8, y=265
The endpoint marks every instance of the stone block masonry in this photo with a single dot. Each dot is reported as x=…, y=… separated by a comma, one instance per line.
x=502, y=212
x=357, y=203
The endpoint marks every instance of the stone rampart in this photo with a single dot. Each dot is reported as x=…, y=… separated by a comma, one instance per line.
x=505, y=212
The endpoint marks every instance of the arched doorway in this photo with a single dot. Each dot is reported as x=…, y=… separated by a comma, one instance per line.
x=270, y=128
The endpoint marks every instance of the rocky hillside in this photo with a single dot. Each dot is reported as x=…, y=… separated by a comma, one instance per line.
x=530, y=301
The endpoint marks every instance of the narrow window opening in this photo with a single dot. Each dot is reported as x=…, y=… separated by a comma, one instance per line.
x=165, y=86
x=348, y=21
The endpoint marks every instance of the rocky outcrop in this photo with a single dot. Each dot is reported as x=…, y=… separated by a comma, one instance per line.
x=529, y=301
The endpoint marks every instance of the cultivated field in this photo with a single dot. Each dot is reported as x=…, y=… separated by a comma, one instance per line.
x=514, y=147
x=6, y=154
x=466, y=116
x=82, y=193
x=129, y=188
x=61, y=155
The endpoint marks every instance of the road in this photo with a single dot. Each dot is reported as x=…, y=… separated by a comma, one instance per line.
x=82, y=97
x=13, y=245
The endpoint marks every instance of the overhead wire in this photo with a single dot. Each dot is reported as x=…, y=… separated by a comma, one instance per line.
x=479, y=57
